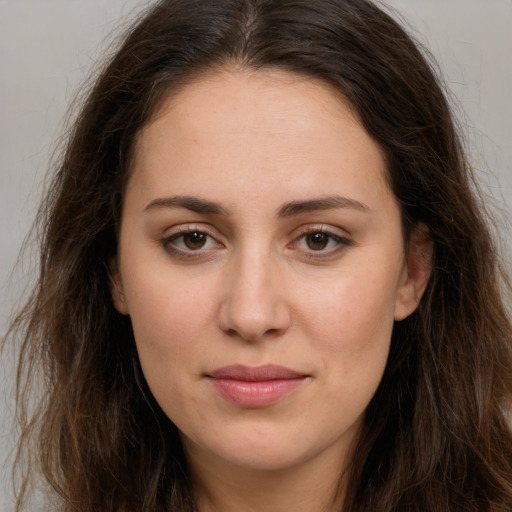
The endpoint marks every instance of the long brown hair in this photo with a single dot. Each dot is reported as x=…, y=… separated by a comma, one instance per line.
x=436, y=436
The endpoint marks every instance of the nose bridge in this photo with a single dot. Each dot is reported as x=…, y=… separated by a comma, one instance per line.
x=254, y=304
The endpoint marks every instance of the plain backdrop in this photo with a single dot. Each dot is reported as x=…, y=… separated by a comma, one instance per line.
x=48, y=47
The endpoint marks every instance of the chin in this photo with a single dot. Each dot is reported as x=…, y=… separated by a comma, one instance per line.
x=265, y=448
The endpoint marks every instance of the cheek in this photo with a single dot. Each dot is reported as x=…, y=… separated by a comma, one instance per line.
x=353, y=313
x=169, y=326
x=167, y=317
x=351, y=330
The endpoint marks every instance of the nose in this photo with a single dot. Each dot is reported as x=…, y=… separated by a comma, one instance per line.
x=254, y=305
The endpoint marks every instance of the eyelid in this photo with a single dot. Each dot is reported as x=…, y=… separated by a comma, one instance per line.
x=176, y=232
x=341, y=237
x=322, y=228
x=327, y=229
x=184, y=228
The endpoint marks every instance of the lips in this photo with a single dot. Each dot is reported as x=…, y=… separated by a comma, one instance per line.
x=254, y=387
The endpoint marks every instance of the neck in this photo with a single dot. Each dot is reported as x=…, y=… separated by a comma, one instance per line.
x=310, y=487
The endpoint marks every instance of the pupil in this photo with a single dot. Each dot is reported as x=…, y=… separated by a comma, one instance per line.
x=194, y=240
x=317, y=241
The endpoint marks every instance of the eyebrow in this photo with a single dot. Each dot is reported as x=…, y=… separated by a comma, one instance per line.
x=194, y=204
x=324, y=203
x=291, y=209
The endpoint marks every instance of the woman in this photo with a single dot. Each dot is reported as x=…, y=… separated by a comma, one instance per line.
x=266, y=283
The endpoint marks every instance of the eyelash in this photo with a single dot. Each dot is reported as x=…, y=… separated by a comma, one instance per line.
x=169, y=242
x=341, y=242
x=170, y=245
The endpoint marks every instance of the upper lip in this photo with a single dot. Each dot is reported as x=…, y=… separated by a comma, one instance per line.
x=255, y=373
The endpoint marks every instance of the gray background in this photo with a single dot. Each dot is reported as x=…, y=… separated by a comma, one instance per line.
x=47, y=48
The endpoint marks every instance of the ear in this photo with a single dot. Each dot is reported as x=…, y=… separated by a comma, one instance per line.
x=417, y=271
x=117, y=289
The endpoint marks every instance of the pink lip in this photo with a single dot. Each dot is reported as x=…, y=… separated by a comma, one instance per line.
x=254, y=387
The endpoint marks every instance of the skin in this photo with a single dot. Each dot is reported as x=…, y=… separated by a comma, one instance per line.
x=312, y=286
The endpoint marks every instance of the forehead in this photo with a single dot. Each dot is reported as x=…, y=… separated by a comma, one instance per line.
x=265, y=126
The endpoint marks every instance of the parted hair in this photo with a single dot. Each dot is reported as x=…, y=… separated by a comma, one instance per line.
x=436, y=435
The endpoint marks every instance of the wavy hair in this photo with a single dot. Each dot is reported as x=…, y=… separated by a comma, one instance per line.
x=435, y=434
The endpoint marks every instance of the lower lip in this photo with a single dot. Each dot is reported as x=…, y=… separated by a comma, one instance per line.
x=255, y=394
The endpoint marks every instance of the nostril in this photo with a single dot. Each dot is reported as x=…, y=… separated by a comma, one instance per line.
x=254, y=336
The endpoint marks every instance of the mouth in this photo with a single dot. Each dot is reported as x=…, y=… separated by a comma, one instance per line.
x=255, y=387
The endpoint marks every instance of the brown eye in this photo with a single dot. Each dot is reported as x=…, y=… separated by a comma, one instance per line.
x=194, y=240
x=191, y=243
x=324, y=243
x=317, y=241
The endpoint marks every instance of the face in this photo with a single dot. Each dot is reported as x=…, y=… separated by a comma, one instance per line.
x=262, y=265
